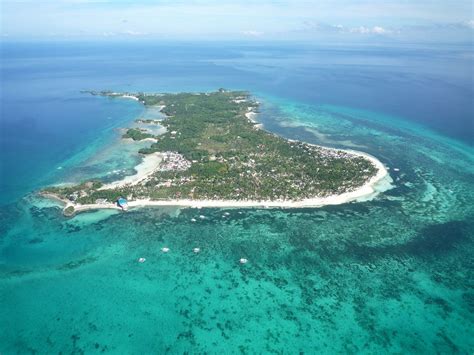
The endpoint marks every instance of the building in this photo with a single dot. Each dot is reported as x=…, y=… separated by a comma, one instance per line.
x=122, y=203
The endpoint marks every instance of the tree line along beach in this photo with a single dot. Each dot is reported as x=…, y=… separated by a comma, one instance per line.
x=213, y=153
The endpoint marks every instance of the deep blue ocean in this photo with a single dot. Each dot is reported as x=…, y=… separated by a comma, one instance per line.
x=394, y=274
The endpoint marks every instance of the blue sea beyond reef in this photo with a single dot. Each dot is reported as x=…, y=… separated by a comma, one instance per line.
x=390, y=275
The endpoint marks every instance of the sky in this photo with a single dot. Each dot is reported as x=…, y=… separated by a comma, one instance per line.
x=326, y=20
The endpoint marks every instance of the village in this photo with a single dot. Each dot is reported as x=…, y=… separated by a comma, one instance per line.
x=209, y=149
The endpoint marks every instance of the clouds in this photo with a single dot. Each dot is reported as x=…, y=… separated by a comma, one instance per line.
x=237, y=19
x=252, y=33
x=469, y=24
x=125, y=33
x=322, y=28
x=374, y=30
x=134, y=33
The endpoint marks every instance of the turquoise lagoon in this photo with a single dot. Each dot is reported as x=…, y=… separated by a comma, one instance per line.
x=390, y=275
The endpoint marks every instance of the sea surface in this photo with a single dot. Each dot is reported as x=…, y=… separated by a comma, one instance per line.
x=390, y=275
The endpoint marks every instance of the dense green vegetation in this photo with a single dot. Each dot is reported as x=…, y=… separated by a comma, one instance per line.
x=137, y=134
x=231, y=158
x=69, y=211
x=147, y=121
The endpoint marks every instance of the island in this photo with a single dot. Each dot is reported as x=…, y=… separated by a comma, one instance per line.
x=213, y=153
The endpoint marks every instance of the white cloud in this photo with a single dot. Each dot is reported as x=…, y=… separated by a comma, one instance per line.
x=310, y=26
x=134, y=33
x=446, y=26
x=370, y=30
x=379, y=30
x=469, y=24
x=124, y=33
x=361, y=29
x=252, y=33
x=222, y=19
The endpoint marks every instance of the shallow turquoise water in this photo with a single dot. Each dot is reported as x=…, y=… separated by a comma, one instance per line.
x=392, y=275
x=389, y=275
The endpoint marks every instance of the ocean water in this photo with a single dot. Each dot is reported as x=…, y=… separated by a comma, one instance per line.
x=391, y=275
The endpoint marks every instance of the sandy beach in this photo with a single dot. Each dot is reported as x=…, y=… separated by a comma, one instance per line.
x=378, y=183
x=251, y=117
x=148, y=166
x=130, y=97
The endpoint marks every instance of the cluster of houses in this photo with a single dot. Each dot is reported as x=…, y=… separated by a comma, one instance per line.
x=321, y=152
x=176, y=182
x=173, y=161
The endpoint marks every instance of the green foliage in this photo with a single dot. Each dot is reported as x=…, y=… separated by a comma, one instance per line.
x=69, y=211
x=208, y=169
x=137, y=134
x=231, y=159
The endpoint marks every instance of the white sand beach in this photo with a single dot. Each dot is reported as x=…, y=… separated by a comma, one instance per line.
x=130, y=97
x=148, y=166
x=152, y=140
x=378, y=183
x=251, y=117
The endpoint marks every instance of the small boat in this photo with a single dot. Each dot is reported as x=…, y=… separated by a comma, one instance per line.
x=141, y=260
x=196, y=250
x=193, y=219
x=243, y=261
x=165, y=249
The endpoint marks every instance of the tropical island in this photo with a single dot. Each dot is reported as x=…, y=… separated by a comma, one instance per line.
x=214, y=154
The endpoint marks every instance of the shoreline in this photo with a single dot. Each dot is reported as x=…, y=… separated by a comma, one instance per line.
x=380, y=182
x=250, y=115
x=146, y=168
x=377, y=184
x=367, y=191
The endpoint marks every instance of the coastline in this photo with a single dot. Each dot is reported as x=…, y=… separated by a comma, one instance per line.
x=250, y=115
x=146, y=168
x=378, y=183
x=367, y=191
